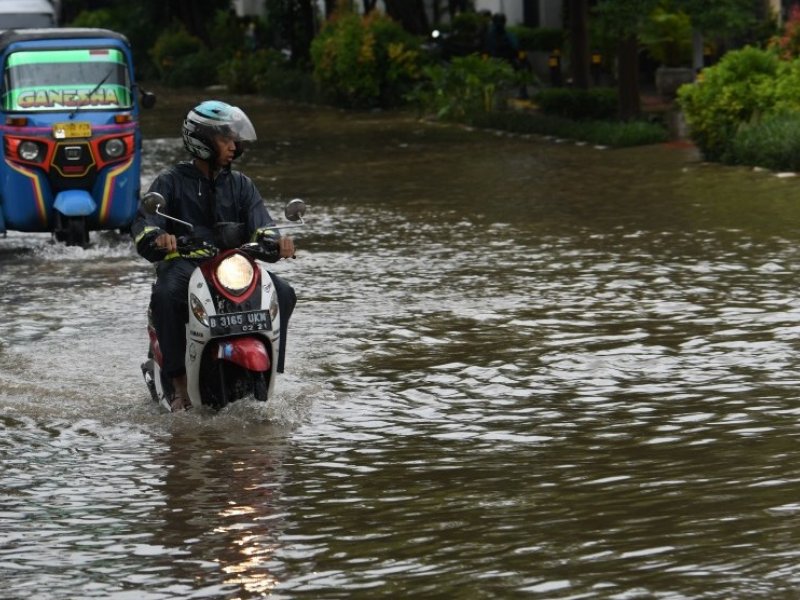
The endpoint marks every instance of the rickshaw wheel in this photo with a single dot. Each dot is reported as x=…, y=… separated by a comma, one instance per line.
x=73, y=232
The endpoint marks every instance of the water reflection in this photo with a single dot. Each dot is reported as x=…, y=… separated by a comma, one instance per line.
x=223, y=505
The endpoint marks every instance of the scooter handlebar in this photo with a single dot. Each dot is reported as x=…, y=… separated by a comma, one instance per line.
x=191, y=247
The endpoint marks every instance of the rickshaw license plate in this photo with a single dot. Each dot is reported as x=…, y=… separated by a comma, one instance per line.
x=244, y=322
x=76, y=129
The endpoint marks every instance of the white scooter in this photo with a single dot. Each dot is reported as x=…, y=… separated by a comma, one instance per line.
x=233, y=332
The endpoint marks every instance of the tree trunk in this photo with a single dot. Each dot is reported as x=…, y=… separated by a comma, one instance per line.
x=192, y=17
x=330, y=7
x=410, y=14
x=579, y=43
x=301, y=46
x=698, y=59
x=629, y=100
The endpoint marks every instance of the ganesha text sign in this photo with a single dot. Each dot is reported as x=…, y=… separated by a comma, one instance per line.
x=42, y=99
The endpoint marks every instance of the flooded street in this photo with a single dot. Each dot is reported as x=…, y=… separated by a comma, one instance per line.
x=517, y=368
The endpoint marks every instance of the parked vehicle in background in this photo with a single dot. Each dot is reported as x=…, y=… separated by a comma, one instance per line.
x=69, y=126
x=25, y=14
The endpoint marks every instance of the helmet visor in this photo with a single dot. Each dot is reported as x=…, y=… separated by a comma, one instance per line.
x=240, y=128
x=233, y=125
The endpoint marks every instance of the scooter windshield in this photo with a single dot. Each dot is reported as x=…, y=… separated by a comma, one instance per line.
x=57, y=80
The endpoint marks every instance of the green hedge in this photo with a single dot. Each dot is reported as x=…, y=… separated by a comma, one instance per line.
x=541, y=39
x=617, y=134
x=465, y=87
x=772, y=143
x=595, y=103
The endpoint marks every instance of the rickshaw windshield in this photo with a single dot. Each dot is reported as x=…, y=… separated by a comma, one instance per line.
x=52, y=80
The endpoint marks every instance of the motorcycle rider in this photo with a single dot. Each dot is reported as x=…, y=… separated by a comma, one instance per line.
x=203, y=192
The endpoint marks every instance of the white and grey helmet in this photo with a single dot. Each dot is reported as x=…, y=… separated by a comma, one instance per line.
x=214, y=118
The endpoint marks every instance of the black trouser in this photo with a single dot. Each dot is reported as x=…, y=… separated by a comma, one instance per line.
x=170, y=312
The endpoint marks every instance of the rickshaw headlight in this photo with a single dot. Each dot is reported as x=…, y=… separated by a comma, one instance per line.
x=28, y=150
x=114, y=148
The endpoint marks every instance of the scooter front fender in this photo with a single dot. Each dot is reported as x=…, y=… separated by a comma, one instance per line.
x=247, y=352
x=75, y=203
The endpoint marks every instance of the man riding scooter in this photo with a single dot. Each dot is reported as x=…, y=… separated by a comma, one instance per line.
x=203, y=192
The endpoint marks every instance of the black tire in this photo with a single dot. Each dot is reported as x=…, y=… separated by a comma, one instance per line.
x=77, y=232
x=72, y=231
x=260, y=387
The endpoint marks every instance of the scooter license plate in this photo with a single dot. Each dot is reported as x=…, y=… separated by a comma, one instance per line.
x=244, y=322
x=72, y=129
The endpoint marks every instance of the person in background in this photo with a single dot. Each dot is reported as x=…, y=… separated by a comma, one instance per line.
x=501, y=43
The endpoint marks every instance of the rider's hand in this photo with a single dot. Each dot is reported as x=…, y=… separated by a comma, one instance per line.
x=166, y=242
x=286, y=246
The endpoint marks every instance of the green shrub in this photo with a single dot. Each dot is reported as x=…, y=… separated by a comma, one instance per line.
x=130, y=19
x=464, y=88
x=773, y=143
x=595, y=103
x=182, y=59
x=226, y=34
x=240, y=73
x=365, y=61
x=192, y=70
x=667, y=37
x=287, y=82
x=538, y=39
x=617, y=134
x=467, y=34
x=103, y=18
x=744, y=85
x=267, y=72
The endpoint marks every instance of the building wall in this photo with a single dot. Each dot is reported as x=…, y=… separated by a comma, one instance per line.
x=250, y=8
x=514, y=10
x=550, y=11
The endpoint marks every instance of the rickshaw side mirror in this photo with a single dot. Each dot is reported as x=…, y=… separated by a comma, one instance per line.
x=152, y=201
x=148, y=99
x=294, y=210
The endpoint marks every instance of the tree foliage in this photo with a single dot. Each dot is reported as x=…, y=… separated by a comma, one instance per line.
x=720, y=17
x=745, y=86
x=364, y=61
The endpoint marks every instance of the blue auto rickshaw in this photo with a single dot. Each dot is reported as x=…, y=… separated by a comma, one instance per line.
x=70, y=132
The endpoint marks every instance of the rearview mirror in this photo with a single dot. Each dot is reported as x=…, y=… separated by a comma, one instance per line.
x=295, y=209
x=152, y=201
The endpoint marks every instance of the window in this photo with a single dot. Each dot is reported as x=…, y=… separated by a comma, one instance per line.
x=84, y=79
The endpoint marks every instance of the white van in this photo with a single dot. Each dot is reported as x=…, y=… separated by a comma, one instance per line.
x=27, y=14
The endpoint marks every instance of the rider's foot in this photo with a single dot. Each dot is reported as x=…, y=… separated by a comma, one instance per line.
x=180, y=397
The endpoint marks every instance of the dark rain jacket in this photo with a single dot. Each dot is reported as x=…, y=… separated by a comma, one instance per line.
x=192, y=197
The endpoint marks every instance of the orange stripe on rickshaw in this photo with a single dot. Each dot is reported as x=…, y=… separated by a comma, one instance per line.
x=108, y=190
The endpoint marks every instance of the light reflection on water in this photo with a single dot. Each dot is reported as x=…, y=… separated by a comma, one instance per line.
x=517, y=368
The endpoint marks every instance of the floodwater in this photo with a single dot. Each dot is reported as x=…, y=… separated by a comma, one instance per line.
x=519, y=368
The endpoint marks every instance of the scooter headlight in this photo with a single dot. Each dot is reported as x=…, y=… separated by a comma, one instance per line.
x=235, y=273
x=198, y=310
